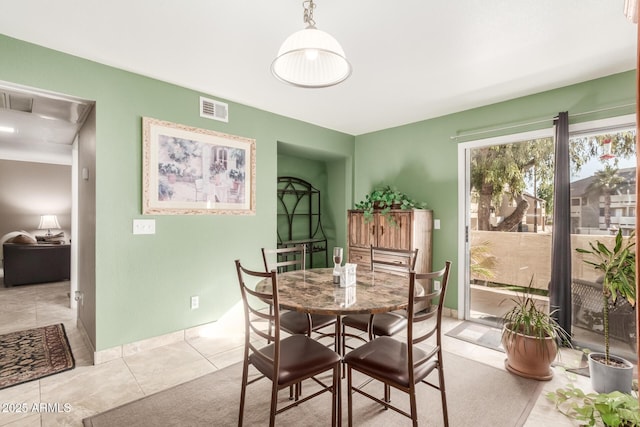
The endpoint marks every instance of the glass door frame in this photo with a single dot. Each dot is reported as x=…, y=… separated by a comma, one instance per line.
x=464, y=218
x=464, y=190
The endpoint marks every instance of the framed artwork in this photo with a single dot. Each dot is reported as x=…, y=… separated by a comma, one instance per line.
x=191, y=171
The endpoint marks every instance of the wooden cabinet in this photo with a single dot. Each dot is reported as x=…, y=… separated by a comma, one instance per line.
x=412, y=229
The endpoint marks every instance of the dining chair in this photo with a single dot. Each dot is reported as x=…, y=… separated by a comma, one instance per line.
x=293, y=322
x=395, y=261
x=285, y=361
x=403, y=364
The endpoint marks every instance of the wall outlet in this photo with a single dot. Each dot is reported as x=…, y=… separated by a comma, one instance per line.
x=144, y=226
x=195, y=302
x=436, y=224
x=436, y=285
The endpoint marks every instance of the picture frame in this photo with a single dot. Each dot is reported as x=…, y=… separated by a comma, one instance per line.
x=192, y=171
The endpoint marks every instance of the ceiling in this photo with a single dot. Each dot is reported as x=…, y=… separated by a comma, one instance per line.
x=412, y=59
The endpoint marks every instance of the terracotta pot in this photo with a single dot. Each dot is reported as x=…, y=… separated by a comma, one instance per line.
x=527, y=356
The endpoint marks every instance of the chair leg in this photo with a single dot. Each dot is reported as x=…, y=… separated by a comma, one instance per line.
x=414, y=407
x=274, y=403
x=336, y=407
x=443, y=392
x=387, y=395
x=243, y=392
x=349, y=396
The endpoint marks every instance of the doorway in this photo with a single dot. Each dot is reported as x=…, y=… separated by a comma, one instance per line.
x=50, y=128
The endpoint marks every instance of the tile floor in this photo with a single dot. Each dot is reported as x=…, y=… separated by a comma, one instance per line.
x=89, y=389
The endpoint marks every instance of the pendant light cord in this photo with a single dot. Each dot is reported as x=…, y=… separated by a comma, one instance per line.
x=308, y=6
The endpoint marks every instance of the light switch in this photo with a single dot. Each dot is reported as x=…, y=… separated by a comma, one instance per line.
x=144, y=226
x=436, y=224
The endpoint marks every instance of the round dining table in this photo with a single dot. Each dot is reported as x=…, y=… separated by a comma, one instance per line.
x=313, y=291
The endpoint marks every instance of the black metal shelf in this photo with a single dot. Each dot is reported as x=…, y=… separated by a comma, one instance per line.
x=299, y=218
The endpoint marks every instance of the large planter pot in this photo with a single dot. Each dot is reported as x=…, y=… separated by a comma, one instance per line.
x=608, y=378
x=527, y=356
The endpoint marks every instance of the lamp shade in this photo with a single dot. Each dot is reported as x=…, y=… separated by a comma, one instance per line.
x=47, y=222
x=311, y=58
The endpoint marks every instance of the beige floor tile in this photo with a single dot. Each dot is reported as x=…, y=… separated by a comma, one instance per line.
x=167, y=366
x=16, y=403
x=88, y=390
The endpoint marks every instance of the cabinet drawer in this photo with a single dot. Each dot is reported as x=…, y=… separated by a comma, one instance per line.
x=362, y=257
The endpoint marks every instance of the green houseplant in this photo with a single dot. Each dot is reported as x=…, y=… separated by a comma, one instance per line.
x=613, y=409
x=530, y=338
x=618, y=266
x=384, y=199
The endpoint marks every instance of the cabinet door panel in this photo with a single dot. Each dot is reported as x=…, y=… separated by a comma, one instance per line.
x=360, y=234
x=396, y=236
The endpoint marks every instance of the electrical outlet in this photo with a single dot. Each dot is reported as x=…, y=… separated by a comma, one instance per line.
x=436, y=285
x=436, y=224
x=144, y=226
x=195, y=302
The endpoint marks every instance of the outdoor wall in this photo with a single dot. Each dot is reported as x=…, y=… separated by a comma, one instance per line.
x=143, y=283
x=522, y=257
x=421, y=158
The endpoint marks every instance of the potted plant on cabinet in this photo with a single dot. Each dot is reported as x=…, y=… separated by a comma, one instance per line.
x=384, y=199
x=618, y=266
x=530, y=338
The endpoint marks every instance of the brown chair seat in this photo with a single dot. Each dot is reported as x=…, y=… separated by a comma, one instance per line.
x=297, y=323
x=384, y=324
x=386, y=358
x=300, y=357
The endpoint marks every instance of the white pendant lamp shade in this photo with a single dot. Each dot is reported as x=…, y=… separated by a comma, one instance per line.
x=311, y=58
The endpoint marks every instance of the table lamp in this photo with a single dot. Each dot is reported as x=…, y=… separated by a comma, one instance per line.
x=47, y=222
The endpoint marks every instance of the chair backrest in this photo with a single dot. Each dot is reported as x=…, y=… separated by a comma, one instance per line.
x=419, y=328
x=257, y=319
x=284, y=259
x=397, y=261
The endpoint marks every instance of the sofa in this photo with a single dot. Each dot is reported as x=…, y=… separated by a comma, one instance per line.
x=35, y=263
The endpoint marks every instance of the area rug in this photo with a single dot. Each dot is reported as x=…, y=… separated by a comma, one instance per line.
x=477, y=394
x=33, y=354
x=477, y=333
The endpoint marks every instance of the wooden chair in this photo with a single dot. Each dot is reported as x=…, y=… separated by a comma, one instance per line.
x=293, y=322
x=395, y=261
x=286, y=362
x=402, y=365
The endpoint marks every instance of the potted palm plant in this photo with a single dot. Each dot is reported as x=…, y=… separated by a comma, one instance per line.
x=530, y=338
x=618, y=266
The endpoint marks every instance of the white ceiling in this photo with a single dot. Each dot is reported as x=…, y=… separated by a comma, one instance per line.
x=412, y=59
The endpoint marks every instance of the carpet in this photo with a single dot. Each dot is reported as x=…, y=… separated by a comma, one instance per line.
x=478, y=395
x=33, y=354
x=477, y=333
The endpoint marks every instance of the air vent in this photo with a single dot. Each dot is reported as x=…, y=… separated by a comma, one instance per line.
x=216, y=110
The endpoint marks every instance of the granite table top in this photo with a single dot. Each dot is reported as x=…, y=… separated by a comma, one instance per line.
x=313, y=291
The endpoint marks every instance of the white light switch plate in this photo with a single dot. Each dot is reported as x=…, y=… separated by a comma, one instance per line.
x=436, y=224
x=144, y=226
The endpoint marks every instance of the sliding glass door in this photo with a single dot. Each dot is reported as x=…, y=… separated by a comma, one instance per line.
x=508, y=223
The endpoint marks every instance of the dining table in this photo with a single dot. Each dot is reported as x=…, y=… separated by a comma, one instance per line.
x=313, y=291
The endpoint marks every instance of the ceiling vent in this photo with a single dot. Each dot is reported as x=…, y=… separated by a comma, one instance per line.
x=216, y=110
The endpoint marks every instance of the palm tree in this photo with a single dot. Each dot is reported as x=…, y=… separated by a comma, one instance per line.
x=606, y=182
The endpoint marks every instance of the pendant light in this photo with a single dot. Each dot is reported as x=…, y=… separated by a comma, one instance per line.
x=311, y=58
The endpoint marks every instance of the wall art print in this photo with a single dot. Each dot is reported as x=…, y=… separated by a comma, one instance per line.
x=192, y=171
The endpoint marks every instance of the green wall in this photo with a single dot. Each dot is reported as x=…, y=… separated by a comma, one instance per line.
x=421, y=158
x=144, y=283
